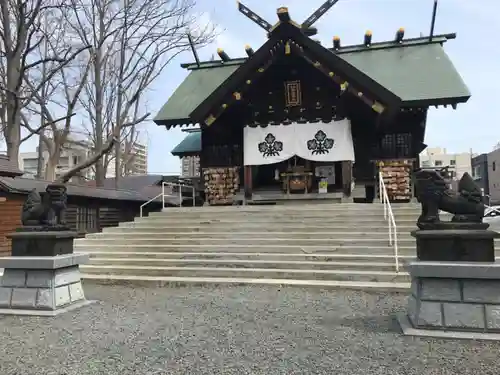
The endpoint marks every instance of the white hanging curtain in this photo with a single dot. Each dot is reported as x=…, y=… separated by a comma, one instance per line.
x=324, y=141
x=268, y=145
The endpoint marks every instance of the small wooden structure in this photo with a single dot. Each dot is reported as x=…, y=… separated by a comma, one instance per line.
x=90, y=209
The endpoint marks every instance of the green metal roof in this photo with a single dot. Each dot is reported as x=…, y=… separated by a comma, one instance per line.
x=417, y=71
x=190, y=145
x=191, y=93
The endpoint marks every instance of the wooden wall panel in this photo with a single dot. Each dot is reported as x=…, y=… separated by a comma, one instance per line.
x=83, y=215
x=10, y=219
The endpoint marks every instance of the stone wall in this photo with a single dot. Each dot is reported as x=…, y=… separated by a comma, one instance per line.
x=40, y=289
x=455, y=304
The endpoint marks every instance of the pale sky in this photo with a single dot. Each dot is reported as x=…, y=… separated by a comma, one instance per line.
x=475, y=53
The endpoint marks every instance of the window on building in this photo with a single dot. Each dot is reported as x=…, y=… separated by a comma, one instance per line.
x=453, y=162
x=425, y=163
x=438, y=163
x=75, y=160
x=493, y=166
x=86, y=219
x=476, y=172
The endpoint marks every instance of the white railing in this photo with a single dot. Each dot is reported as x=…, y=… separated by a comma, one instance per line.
x=389, y=216
x=162, y=194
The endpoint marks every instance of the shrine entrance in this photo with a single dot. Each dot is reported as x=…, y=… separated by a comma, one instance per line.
x=298, y=176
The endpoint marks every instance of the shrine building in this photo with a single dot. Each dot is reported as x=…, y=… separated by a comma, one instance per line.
x=297, y=118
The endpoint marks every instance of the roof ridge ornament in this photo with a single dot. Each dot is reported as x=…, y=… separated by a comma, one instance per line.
x=284, y=16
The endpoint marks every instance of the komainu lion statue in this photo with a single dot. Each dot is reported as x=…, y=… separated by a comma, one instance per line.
x=48, y=211
x=433, y=194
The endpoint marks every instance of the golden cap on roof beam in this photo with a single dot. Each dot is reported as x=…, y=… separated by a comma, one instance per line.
x=368, y=38
x=223, y=55
x=283, y=15
x=400, y=35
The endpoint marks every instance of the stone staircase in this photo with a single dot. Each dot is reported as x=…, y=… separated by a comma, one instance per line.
x=329, y=245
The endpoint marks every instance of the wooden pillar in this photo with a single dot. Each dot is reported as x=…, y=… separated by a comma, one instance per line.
x=347, y=177
x=248, y=177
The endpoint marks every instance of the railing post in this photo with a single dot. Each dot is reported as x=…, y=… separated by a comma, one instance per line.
x=390, y=233
x=180, y=195
x=163, y=195
x=194, y=201
x=396, y=256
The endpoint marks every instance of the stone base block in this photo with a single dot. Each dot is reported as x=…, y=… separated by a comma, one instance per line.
x=27, y=242
x=454, y=297
x=43, y=286
x=456, y=245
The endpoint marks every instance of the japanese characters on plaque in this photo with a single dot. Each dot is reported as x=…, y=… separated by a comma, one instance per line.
x=293, y=94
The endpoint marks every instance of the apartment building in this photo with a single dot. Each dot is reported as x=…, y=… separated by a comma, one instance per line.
x=480, y=172
x=458, y=163
x=492, y=169
x=138, y=164
x=70, y=157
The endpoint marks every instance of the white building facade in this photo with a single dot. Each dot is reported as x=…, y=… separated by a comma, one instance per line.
x=437, y=157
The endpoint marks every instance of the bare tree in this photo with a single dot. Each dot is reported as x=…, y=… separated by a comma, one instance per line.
x=57, y=96
x=21, y=33
x=133, y=41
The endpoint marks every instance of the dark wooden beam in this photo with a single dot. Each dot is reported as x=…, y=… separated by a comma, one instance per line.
x=344, y=84
x=318, y=13
x=254, y=17
x=238, y=95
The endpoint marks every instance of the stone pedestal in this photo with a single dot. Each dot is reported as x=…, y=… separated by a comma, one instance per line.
x=41, y=285
x=34, y=242
x=456, y=245
x=453, y=300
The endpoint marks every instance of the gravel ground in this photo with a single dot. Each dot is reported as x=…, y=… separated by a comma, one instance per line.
x=232, y=330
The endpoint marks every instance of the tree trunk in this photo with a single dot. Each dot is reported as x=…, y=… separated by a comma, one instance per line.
x=50, y=169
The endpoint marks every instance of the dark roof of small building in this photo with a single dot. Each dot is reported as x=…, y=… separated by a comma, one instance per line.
x=25, y=185
x=190, y=145
x=8, y=168
x=418, y=71
x=135, y=183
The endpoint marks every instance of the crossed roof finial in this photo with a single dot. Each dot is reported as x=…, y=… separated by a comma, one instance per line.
x=284, y=16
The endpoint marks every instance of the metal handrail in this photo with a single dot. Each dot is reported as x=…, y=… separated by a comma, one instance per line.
x=148, y=202
x=389, y=216
x=180, y=185
x=162, y=195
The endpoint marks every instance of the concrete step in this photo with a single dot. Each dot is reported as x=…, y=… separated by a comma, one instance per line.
x=306, y=213
x=251, y=227
x=259, y=224
x=244, y=263
x=324, y=284
x=194, y=235
x=274, y=249
x=327, y=257
x=274, y=273
x=328, y=220
x=245, y=241
x=302, y=207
